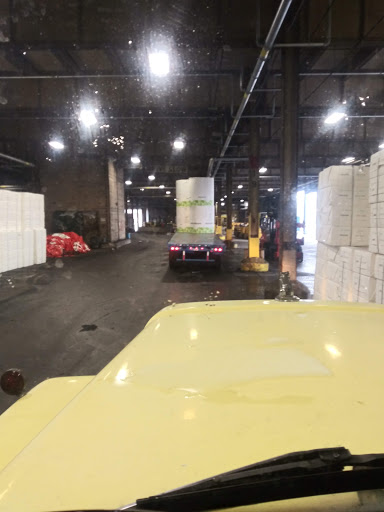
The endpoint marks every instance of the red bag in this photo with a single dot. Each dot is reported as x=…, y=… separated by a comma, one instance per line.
x=65, y=244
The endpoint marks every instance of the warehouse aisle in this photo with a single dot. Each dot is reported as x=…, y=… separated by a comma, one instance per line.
x=80, y=312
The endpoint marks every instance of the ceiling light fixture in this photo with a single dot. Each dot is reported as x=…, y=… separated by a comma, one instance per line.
x=179, y=144
x=142, y=190
x=159, y=63
x=239, y=186
x=161, y=186
x=151, y=177
x=128, y=182
x=87, y=117
x=168, y=192
x=270, y=190
x=262, y=170
x=334, y=118
x=55, y=144
x=348, y=159
x=135, y=160
x=241, y=200
x=222, y=204
x=225, y=197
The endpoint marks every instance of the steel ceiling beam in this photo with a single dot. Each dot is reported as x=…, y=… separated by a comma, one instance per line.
x=268, y=45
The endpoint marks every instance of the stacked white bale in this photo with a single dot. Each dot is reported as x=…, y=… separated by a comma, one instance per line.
x=39, y=245
x=346, y=260
x=364, y=282
x=182, y=205
x=22, y=233
x=360, y=207
x=325, y=254
x=28, y=247
x=345, y=274
x=379, y=276
x=334, y=206
x=376, y=200
x=3, y=230
x=202, y=210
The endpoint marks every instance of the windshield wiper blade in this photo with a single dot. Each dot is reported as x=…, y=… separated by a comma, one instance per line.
x=295, y=475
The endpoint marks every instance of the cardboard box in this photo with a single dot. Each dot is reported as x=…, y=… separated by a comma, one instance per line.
x=336, y=176
x=345, y=256
x=364, y=288
x=379, y=296
x=379, y=267
x=336, y=236
x=364, y=262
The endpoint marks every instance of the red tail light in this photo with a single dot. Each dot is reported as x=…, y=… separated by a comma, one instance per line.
x=220, y=249
x=172, y=248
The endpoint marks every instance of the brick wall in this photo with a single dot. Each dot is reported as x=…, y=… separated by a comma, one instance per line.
x=75, y=184
x=116, y=202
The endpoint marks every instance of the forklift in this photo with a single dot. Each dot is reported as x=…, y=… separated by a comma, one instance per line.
x=270, y=238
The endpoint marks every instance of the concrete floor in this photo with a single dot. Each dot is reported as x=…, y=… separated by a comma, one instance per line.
x=72, y=316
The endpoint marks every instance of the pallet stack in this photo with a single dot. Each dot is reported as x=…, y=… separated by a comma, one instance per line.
x=22, y=233
x=350, y=254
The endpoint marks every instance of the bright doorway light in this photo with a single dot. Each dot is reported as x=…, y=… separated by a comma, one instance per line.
x=135, y=220
x=263, y=170
x=128, y=182
x=151, y=177
x=334, y=118
x=179, y=144
x=87, y=117
x=140, y=217
x=348, y=160
x=135, y=160
x=159, y=63
x=55, y=144
x=381, y=146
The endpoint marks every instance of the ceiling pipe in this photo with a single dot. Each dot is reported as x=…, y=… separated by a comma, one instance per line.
x=17, y=160
x=269, y=41
x=308, y=44
x=101, y=75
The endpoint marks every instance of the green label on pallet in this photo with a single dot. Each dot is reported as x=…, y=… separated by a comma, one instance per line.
x=195, y=230
x=194, y=203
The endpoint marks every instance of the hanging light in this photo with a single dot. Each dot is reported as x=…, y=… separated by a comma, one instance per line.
x=55, y=144
x=179, y=144
x=159, y=63
x=87, y=117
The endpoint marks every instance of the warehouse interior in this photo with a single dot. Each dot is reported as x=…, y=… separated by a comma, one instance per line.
x=105, y=105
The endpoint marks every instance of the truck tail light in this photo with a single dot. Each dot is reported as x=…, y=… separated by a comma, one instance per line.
x=220, y=249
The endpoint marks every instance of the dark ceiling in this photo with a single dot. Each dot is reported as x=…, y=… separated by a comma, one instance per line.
x=59, y=57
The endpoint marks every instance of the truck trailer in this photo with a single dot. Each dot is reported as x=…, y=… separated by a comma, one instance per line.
x=205, y=248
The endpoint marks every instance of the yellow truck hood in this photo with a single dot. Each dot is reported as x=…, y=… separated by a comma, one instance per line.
x=206, y=388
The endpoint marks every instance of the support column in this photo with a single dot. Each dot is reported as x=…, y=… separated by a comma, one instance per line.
x=253, y=186
x=218, y=226
x=228, y=236
x=287, y=217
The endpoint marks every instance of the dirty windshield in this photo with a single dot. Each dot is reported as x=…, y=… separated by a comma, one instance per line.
x=157, y=153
